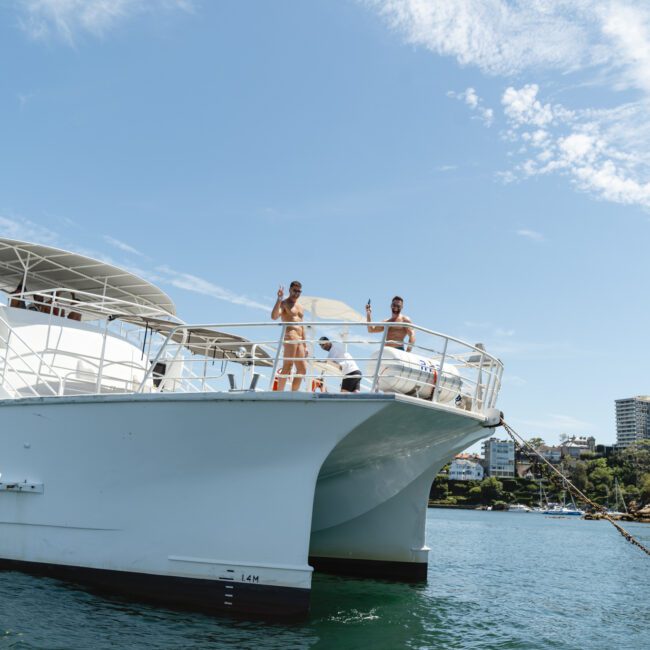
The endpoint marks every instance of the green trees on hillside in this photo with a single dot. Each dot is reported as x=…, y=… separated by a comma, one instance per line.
x=630, y=468
x=632, y=463
x=597, y=477
x=491, y=489
x=601, y=479
x=644, y=490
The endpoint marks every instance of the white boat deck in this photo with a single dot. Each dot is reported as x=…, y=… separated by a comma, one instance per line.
x=77, y=326
x=111, y=351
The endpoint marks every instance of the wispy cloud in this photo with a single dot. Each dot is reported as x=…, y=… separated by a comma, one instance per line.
x=122, y=246
x=508, y=38
x=497, y=331
x=66, y=19
x=603, y=150
x=531, y=234
x=555, y=423
x=503, y=342
x=24, y=98
x=165, y=276
x=13, y=227
x=22, y=229
x=510, y=348
x=475, y=103
x=513, y=380
x=204, y=287
x=475, y=324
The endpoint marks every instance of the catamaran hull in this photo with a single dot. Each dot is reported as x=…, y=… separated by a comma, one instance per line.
x=206, y=500
x=372, y=491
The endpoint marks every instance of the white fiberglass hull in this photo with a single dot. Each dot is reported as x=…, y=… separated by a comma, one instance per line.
x=373, y=489
x=206, y=499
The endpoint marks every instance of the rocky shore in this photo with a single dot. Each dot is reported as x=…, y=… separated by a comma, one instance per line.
x=640, y=516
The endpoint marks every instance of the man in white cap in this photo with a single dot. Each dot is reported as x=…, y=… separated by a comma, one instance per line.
x=343, y=360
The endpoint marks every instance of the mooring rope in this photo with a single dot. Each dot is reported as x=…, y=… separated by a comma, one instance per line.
x=526, y=446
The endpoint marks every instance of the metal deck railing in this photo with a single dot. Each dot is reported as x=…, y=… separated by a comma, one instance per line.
x=439, y=368
x=173, y=357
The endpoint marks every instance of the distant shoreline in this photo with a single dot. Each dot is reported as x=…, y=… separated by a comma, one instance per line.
x=454, y=506
x=449, y=506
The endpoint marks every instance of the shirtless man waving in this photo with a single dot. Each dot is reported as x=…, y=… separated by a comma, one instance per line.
x=290, y=311
x=396, y=334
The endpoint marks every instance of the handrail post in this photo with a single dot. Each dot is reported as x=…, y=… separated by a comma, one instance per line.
x=478, y=379
x=253, y=359
x=437, y=389
x=153, y=363
x=277, y=354
x=309, y=360
x=375, y=380
x=489, y=387
x=100, y=370
x=497, y=385
x=178, y=355
x=4, y=366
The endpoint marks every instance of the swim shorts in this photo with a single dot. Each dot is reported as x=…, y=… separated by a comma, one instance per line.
x=352, y=381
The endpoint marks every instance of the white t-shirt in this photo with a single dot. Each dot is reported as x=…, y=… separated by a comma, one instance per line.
x=338, y=354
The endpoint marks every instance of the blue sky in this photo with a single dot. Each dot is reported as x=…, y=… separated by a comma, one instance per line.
x=487, y=160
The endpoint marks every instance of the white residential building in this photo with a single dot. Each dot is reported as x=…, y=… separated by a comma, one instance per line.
x=499, y=457
x=632, y=420
x=552, y=454
x=575, y=446
x=462, y=469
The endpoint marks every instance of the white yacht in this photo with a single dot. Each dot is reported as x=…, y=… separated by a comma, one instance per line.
x=147, y=456
x=518, y=507
x=560, y=510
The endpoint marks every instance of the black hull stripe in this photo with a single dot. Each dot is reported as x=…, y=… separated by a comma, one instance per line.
x=202, y=595
x=383, y=569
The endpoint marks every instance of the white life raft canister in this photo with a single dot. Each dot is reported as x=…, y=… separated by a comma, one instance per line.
x=413, y=374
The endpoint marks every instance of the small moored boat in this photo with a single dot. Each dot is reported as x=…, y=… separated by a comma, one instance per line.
x=518, y=507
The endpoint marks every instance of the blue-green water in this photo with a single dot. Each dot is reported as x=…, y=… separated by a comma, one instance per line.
x=496, y=580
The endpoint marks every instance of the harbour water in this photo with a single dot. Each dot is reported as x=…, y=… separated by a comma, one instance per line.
x=496, y=580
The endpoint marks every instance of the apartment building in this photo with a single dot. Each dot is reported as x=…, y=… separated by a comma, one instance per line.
x=499, y=457
x=632, y=420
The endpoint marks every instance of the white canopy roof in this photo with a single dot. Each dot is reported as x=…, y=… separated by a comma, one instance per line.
x=207, y=342
x=328, y=309
x=46, y=268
